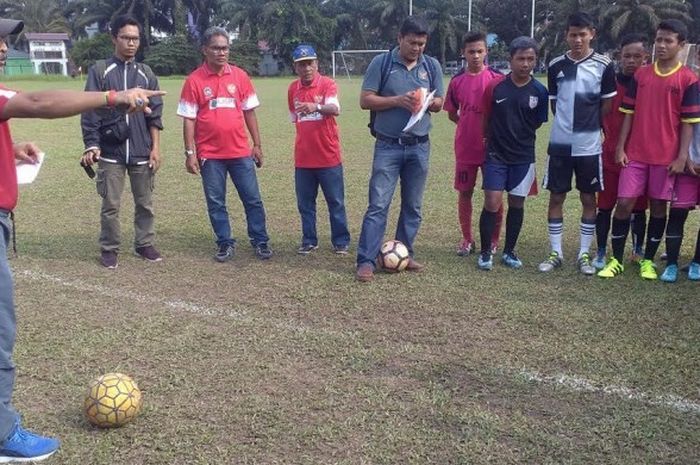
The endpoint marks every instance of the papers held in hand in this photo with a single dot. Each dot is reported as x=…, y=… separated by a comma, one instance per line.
x=26, y=172
x=419, y=111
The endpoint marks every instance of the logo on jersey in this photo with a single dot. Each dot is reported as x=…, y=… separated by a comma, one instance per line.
x=533, y=102
x=560, y=75
x=207, y=92
x=231, y=88
x=423, y=75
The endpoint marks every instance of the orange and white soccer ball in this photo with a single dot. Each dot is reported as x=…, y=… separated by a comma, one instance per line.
x=112, y=400
x=393, y=256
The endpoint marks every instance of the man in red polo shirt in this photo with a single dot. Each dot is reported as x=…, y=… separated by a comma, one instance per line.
x=218, y=104
x=313, y=106
x=16, y=443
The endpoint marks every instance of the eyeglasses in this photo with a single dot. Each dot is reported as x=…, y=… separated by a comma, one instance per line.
x=219, y=49
x=129, y=39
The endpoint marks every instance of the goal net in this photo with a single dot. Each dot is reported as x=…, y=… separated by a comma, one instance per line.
x=688, y=56
x=352, y=63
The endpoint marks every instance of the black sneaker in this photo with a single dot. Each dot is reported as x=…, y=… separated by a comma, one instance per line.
x=263, y=251
x=108, y=259
x=341, y=249
x=225, y=253
x=306, y=249
x=149, y=253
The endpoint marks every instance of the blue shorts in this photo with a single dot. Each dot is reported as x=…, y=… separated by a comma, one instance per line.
x=515, y=179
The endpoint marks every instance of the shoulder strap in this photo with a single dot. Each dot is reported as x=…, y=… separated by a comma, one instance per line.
x=150, y=75
x=432, y=72
x=100, y=68
x=386, y=68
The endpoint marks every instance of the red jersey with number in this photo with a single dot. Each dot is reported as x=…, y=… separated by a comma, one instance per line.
x=317, y=144
x=612, y=123
x=465, y=95
x=217, y=103
x=660, y=103
x=8, y=171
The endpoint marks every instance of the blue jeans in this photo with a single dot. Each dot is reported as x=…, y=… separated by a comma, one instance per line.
x=8, y=416
x=391, y=162
x=242, y=172
x=306, y=182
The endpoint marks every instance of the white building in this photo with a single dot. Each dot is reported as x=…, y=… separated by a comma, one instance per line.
x=48, y=52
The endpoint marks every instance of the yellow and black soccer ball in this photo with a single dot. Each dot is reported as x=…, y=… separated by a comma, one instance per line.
x=112, y=400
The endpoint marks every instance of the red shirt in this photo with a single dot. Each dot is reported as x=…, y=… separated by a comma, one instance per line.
x=217, y=103
x=612, y=123
x=317, y=144
x=465, y=96
x=8, y=171
x=660, y=103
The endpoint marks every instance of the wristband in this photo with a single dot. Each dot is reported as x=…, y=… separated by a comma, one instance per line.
x=111, y=98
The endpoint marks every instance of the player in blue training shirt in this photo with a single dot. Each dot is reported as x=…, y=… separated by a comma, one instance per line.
x=514, y=107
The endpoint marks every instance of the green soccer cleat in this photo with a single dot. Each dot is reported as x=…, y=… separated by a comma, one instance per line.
x=611, y=269
x=647, y=270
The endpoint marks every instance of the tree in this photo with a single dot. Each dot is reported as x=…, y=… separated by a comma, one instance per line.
x=386, y=17
x=173, y=55
x=446, y=25
x=352, y=29
x=38, y=16
x=245, y=15
x=86, y=51
x=625, y=16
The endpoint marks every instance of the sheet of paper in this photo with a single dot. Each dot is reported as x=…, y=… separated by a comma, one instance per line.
x=26, y=172
x=417, y=116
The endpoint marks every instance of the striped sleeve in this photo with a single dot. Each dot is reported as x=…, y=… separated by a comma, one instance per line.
x=690, y=104
x=552, y=82
x=630, y=98
x=188, y=106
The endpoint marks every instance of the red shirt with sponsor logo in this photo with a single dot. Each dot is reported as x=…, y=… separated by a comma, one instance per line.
x=660, y=103
x=8, y=171
x=465, y=95
x=217, y=102
x=612, y=123
x=317, y=144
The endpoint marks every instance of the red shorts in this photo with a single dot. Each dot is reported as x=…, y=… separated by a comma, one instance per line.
x=465, y=177
x=607, y=198
x=686, y=192
x=637, y=179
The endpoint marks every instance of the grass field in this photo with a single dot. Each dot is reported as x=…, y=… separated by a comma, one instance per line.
x=292, y=361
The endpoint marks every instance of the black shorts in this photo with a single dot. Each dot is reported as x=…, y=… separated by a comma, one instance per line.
x=588, y=170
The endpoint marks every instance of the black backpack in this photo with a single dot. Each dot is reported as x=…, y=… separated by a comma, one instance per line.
x=386, y=68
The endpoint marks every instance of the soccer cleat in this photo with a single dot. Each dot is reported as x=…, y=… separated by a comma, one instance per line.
x=611, y=269
x=670, y=274
x=599, y=261
x=694, y=271
x=465, y=248
x=585, y=266
x=414, y=265
x=263, y=251
x=341, y=249
x=149, y=253
x=365, y=273
x=306, y=249
x=647, y=270
x=511, y=260
x=108, y=259
x=552, y=262
x=225, y=253
x=485, y=262
x=24, y=446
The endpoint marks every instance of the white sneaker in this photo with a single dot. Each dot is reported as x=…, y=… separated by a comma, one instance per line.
x=585, y=266
x=552, y=262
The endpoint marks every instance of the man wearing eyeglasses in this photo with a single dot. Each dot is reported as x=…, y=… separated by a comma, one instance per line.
x=124, y=144
x=217, y=105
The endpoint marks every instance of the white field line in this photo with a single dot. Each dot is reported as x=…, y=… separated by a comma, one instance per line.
x=576, y=383
x=571, y=382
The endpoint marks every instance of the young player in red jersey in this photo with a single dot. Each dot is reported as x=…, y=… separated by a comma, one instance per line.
x=633, y=54
x=661, y=105
x=464, y=107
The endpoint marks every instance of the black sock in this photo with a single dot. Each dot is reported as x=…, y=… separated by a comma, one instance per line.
x=696, y=259
x=655, y=232
x=674, y=234
x=487, y=223
x=602, y=228
x=639, y=228
x=620, y=229
x=514, y=223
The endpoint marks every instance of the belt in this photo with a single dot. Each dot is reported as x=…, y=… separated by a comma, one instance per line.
x=403, y=140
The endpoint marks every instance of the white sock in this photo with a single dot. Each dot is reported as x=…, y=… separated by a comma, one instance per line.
x=587, y=232
x=556, y=229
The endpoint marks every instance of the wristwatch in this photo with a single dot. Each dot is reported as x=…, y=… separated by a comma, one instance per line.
x=189, y=152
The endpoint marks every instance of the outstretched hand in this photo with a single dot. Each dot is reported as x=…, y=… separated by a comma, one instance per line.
x=26, y=152
x=136, y=99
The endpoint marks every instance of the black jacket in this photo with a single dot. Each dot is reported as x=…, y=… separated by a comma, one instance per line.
x=99, y=126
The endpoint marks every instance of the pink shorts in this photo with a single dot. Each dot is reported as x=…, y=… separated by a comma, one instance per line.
x=637, y=179
x=607, y=198
x=686, y=192
x=465, y=177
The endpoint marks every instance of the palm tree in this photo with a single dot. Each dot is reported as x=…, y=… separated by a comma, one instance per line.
x=38, y=16
x=625, y=16
x=446, y=24
x=352, y=22
x=386, y=17
x=245, y=15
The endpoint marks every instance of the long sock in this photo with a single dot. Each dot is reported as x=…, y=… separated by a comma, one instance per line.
x=639, y=227
x=696, y=258
x=654, y=234
x=555, y=227
x=464, y=208
x=499, y=224
x=674, y=234
x=620, y=229
x=602, y=228
x=514, y=223
x=587, y=230
x=486, y=224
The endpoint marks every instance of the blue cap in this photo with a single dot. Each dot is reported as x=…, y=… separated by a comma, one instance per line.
x=304, y=52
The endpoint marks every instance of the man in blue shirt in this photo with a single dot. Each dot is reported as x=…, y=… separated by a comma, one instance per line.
x=390, y=89
x=515, y=106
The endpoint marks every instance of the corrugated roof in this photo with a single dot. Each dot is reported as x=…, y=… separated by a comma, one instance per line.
x=47, y=36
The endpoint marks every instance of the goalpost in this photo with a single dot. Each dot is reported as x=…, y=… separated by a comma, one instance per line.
x=687, y=56
x=352, y=62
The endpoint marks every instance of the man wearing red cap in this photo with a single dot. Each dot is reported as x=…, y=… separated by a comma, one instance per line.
x=16, y=443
